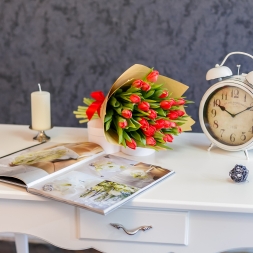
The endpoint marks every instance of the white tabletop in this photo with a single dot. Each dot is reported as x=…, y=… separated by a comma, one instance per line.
x=201, y=181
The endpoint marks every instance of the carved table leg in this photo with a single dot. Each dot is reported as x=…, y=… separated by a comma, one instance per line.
x=21, y=243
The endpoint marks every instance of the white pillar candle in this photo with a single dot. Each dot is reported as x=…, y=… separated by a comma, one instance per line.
x=41, y=111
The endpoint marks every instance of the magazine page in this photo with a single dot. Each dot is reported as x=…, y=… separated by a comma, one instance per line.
x=33, y=163
x=101, y=184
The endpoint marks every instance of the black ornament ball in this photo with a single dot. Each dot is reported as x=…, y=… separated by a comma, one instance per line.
x=239, y=173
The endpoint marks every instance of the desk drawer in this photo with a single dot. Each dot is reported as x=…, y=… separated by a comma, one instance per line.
x=167, y=227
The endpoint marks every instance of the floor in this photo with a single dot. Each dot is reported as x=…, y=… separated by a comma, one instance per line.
x=9, y=247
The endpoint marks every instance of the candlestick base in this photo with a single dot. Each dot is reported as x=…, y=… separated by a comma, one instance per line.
x=41, y=136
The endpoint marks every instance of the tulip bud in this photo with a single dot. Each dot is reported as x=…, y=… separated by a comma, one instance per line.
x=135, y=99
x=179, y=129
x=180, y=113
x=150, y=131
x=150, y=141
x=168, y=138
x=131, y=144
x=181, y=101
x=137, y=84
x=164, y=94
x=144, y=123
x=172, y=115
x=166, y=104
x=145, y=86
x=152, y=77
x=159, y=124
x=152, y=114
x=122, y=123
x=169, y=124
x=126, y=114
x=144, y=106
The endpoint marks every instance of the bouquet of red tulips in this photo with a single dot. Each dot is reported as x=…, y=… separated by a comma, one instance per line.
x=142, y=109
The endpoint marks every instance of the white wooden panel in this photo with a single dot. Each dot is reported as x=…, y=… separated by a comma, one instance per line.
x=167, y=227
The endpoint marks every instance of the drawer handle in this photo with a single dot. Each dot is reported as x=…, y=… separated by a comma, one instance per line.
x=130, y=232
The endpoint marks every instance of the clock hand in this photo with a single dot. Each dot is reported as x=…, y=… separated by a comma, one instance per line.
x=224, y=109
x=243, y=110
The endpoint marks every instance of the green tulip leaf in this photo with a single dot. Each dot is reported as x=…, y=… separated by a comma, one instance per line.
x=114, y=102
x=128, y=106
x=148, y=94
x=160, y=112
x=126, y=136
x=154, y=105
x=136, y=136
x=108, y=115
x=156, y=86
x=119, y=130
x=108, y=124
x=130, y=123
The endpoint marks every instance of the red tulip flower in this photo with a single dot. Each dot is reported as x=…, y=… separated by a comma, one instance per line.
x=166, y=104
x=126, y=114
x=164, y=94
x=144, y=124
x=150, y=141
x=145, y=86
x=179, y=129
x=159, y=124
x=150, y=131
x=135, y=99
x=180, y=113
x=181, y=101
x=122, y=123
x=152, y=114
x=131, y=144
x=168, y=138
x=152, y=77
x=144, y=106
x=169, y=124
x=137, y=84
x=172, y=115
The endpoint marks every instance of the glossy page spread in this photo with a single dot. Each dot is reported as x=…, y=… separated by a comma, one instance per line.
x=39, y=161
x=100, y=184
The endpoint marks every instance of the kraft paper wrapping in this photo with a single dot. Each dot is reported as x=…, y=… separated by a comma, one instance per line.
x=138, y=71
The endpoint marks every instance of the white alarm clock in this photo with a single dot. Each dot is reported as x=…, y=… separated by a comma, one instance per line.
x=226, y=109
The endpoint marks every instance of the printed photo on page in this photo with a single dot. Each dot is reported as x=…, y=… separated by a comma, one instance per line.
x=37, y=162
x=101, y=183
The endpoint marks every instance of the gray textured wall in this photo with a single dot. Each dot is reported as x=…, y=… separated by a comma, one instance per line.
x=74, y=47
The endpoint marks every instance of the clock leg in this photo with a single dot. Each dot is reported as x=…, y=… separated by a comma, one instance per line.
x=246, y=154
x=211, y=145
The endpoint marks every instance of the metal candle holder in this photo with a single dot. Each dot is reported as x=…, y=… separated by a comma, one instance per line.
x=41, y=136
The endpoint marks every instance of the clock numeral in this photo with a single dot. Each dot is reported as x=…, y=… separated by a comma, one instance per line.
x=251, y=130
x=245, y=98
x=235, y=93
x=232, y=137
x=222, y=132
x=252, y=107
x=213, y=111
x=216, y=102
x=215, y=124
x=224, y=96
x=243, y=136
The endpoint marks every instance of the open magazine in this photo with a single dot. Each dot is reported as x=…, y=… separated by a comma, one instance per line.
x=80, y=174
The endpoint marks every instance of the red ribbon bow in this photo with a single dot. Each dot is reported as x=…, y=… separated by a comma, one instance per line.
x=96, y=105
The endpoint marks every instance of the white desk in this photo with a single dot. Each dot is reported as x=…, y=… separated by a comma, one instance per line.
x=196, y=210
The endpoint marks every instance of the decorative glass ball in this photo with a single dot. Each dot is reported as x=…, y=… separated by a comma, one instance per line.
x=239, y=173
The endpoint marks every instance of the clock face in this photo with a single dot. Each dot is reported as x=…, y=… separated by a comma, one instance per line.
x=228, y=115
